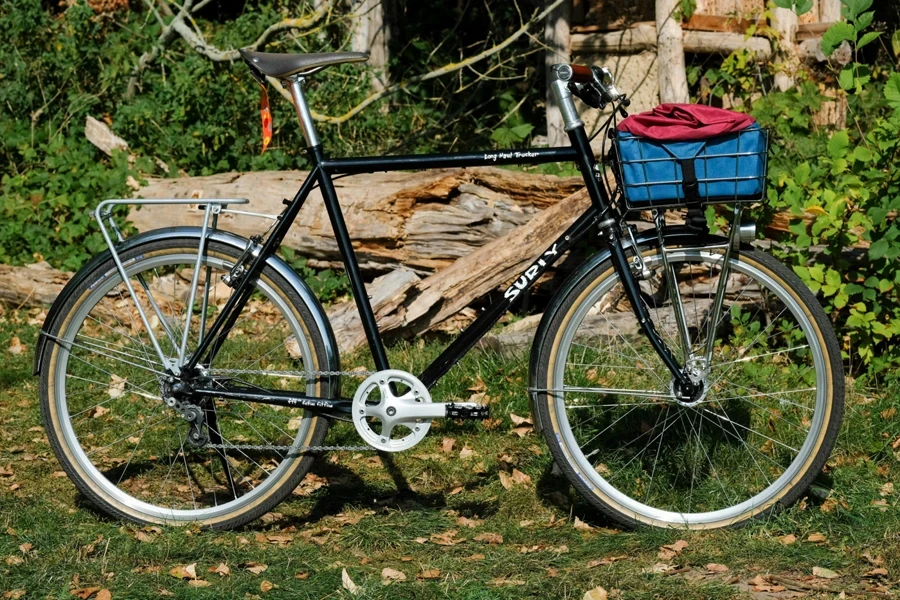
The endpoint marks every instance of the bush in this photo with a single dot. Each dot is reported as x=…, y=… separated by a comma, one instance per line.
x=847, y=183
x=853, y=192
x=201, y=117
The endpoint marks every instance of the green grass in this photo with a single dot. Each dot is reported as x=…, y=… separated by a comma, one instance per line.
x=369, y=515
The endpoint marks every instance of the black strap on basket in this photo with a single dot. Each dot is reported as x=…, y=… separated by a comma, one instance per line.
x=695, y=220
x=689, y=182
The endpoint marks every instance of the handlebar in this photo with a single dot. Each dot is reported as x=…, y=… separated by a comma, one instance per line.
x=581, y=74
x=593, y=85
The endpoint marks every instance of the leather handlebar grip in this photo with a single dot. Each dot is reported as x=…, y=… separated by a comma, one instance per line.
x=581, y=74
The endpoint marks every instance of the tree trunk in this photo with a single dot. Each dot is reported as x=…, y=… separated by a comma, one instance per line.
x=372, y=33
x=556, y=37
x=829, y=11
x=422, y=221
x=670, y=54
x=786, y=26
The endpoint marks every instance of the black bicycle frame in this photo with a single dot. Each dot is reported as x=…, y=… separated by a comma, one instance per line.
x=598, y=214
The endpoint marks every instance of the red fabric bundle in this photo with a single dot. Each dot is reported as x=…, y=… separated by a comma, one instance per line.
x=683, y=122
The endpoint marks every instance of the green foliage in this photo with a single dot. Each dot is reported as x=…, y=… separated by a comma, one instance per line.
x=47, y=210
x=798, y=6
x=835, y=35
x=201, y=117
x=328, y=285
x=685, y=10
x=53, y=178
x=837, y=186
x=515, y=130
x=738, y=76
x=855, y=199
x=855, y=75
x=892, y=90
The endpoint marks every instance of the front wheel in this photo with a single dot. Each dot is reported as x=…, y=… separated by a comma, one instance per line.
x=756, y=436
x=103, y=388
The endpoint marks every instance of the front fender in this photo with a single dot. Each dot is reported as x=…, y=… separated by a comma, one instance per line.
x=675, y=236
x=299, y=286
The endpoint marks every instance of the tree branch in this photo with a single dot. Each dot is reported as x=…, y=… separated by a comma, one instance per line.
x=165, y=38
x=450, y=68
x=215, y=54
x=200, y=45
x=179, y=26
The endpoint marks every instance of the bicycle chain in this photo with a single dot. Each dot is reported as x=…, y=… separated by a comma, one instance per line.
x=297, y=449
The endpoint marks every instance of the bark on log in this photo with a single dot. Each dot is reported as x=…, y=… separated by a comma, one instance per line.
x=386, y=294
x=34, y=285
x=447, y=292
x=421, y=221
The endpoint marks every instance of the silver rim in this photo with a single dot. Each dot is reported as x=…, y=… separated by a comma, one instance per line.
x=649, y=473
x=102, y=335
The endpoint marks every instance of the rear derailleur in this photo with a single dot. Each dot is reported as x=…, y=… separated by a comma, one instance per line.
x=174, y=393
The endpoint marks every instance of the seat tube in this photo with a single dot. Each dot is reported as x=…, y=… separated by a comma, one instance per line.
x=306, y=120
x=351, y=264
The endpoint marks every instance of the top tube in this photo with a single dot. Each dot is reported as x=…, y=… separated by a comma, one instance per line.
x=516, y=156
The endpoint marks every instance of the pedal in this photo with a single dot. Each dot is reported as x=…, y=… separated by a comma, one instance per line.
x=468, y=410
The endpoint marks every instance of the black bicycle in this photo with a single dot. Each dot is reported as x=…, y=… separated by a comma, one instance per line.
x=681, y=378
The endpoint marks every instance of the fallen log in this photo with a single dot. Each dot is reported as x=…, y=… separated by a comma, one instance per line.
x=386, y=294
x=426, y=304
x=402, y=302
x=35, y=285
x=421, y=221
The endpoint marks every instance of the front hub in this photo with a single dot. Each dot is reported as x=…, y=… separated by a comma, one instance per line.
x=694, y=391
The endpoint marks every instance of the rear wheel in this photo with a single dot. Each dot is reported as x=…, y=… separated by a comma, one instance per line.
x=754, y=439
x=102, y=389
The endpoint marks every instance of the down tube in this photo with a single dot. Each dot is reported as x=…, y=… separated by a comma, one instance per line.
x=474, y=332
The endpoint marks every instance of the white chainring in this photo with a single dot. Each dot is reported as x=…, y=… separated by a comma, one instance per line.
x=377, y=400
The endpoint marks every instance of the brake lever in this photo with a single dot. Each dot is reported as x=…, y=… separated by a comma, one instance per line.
x=588, y=94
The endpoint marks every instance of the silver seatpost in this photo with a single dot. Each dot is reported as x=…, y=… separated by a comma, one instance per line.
x=306, y=120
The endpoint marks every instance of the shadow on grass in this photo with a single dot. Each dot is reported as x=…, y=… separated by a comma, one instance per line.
x=553, y=490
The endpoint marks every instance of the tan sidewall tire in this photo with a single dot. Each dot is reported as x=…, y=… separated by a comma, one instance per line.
x=816, y=458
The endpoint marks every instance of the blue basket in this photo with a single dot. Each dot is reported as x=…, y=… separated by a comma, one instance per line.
x=723, y=169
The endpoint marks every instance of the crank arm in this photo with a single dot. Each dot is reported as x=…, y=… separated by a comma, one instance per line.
x=420, y=411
